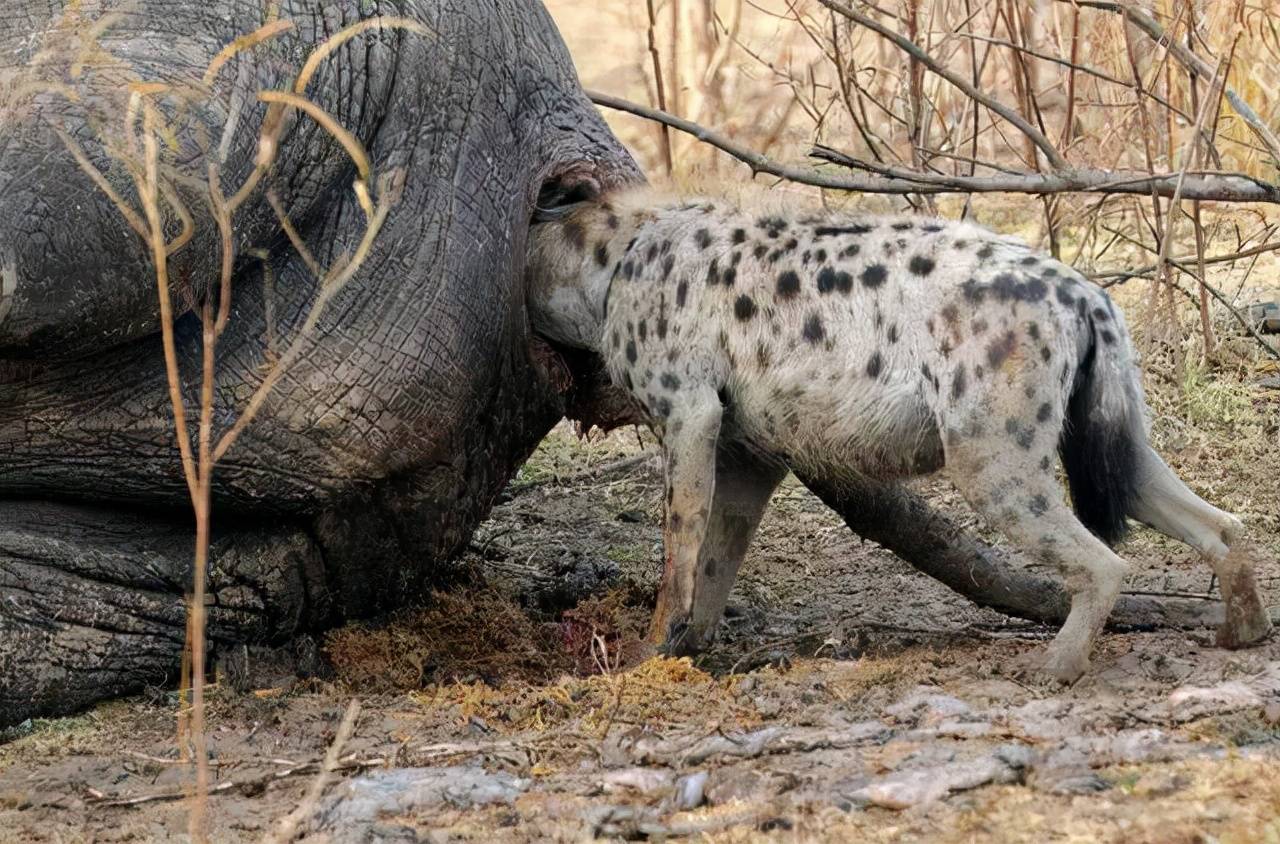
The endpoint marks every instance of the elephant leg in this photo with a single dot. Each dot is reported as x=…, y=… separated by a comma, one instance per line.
x=92, y=600
x=934, y=544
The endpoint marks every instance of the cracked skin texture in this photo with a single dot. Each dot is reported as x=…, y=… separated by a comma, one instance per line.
x=383, y=446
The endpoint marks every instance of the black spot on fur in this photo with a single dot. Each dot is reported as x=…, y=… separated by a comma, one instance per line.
x=662, y=328
x=824, y=231
x=788, y=285
x=617, y=341
x=631, y=351
x=744, y=308
x=932, y=228
x=670, y=380
x=760, y=251
x=959, y=382
x=973, y=291
x=1063, y=292
x=903, y=227
x=668, y=264
x=628, y=270
x=1048, y=272
x=850, y=250
x=892, y=333
x=1044, y=412
x=999, y=350
x=739, y=236
x=830, y=279
x=703, y=238
x=713, y=273
x=663, y=407
x=602, y=253
x=875, y=365
x=1029, y=261
x=1033, y=330
x=1009, y=287
x=1046, y=464
x=1045, y=354
x=1107, y=337
x=729, y=277
x=921, y=265
x=978, y=325
x=986, y=251
x=874, y=276
x=575, y=234
x=813, y=330
x=773, y=226
x=1038, y=505
x=682, y=293
x=1101, y=314
x=652, y=253
x=612, y=221
x=643, y=329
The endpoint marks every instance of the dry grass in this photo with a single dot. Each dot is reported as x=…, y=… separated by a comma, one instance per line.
x=483, y=636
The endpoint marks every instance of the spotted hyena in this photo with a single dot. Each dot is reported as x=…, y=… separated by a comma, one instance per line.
x=889, y=347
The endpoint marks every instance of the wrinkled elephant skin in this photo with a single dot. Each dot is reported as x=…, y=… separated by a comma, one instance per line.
x=382, y=448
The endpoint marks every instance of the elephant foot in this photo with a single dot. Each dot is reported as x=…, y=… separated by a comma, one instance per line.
x=92, y=600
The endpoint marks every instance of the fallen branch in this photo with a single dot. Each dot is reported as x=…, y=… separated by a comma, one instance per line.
x=622, y=463
x=1206, y=186
x=247, y=785
x=288, y=827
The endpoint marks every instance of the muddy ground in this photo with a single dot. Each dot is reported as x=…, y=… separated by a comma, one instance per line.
x=849, y=699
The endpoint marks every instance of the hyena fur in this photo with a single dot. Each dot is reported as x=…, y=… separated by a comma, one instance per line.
x=888, y=347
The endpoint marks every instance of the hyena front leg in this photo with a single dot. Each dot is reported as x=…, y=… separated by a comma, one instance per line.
x=689, y=441
x=744, y=484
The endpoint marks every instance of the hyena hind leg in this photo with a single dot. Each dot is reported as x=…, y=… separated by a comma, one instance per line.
x=689, y=441
x=1165, y=503
x=1013, y=487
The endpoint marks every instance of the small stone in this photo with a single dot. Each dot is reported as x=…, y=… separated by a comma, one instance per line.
x=690, y=791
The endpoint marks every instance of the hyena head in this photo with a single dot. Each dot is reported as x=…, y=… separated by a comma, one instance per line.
x=572, y=256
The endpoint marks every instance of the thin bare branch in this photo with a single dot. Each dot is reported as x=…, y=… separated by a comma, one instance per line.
x=1222, y=187
x=908, y=46
x=1150, y=27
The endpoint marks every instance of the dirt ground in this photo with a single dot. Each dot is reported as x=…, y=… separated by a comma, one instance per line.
x=850, y=698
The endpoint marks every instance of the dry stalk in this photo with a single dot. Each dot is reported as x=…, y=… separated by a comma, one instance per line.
x=287, y=829
x=140, y=155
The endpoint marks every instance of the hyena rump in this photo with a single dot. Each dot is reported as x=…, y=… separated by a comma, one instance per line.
x=881, y=346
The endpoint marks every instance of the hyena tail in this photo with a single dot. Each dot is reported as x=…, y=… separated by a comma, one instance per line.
x=1105, y=437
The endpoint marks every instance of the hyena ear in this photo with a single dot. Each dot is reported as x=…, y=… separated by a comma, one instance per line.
x=558, y=199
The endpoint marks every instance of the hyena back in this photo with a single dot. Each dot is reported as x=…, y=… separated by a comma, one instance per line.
x=871, y=346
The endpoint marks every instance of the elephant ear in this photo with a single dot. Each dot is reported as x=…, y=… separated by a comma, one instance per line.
x=560, y=198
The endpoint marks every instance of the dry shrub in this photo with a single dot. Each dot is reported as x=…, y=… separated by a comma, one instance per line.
x=604, y=633
x=484, y=636
x=460, y=636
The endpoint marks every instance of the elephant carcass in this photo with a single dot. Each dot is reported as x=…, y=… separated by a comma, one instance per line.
x=413, y=401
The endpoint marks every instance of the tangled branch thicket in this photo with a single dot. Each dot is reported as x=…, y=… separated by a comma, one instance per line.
x=1121, y=120
x=150, y=151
